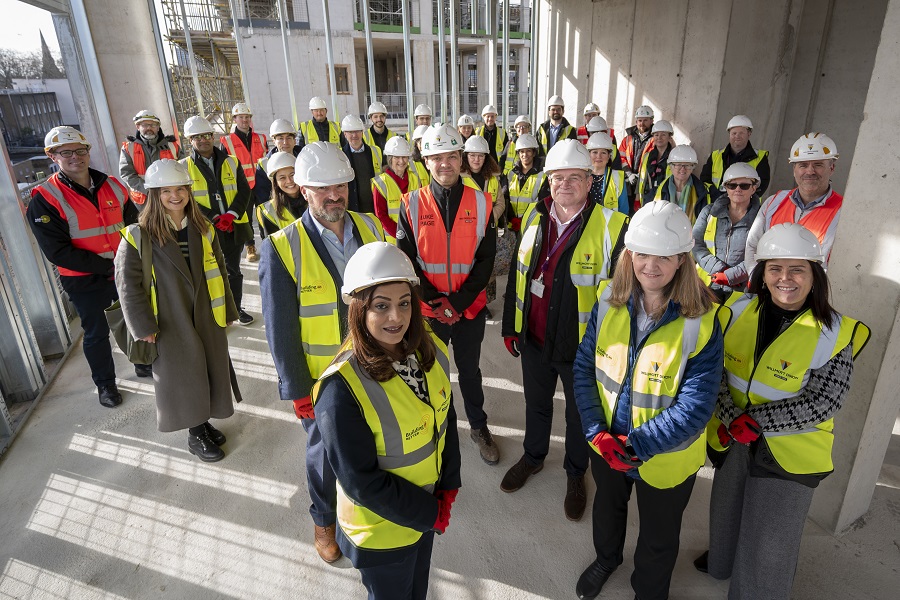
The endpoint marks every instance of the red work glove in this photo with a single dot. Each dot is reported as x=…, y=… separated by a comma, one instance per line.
x=613, y=451
x=744, y=429
x=224, y=222
x=303, y=408
x=725, y=438
x=720, y=279
x=515, y=223
x=445, y=500
x=512, y=345
x=444, y=311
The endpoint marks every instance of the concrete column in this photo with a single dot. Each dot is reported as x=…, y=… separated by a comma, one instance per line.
x=424, y=72
x=866, y=285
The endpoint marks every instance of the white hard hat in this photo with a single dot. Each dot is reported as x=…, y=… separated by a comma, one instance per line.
x=280, y=126
x=567, y=154
x=145, y=115
x=525, y=141
x=659, y=228
x=600, y=141
x=522, y=119
x=422, y=110
x=682, y=153
x=316, y=103
x=397, y=146
x=556, y=101
x=590, y=107
x=478, y=145
x=375, y=108
x=789, y=240
x=352, y=123
x=464, y=121
x=278, y=161
x=196, y=125
x=813, y=146
x=322, y=163
x=643, y=112
x=241, y=108
x=62, y=135
x=419, y=132
x=438, y=140
x=490, y=109
x=166, y=172
x=596, y=124
x=740, y=121
x=373, y=264
x=737, y=171
x=662, y=125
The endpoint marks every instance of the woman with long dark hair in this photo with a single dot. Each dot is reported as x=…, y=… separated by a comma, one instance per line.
x=287, y=203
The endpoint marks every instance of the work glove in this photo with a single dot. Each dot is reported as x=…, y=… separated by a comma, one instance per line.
x=445, y=499
x=632, y=178
x=612, y=449
x=515, y=223
x=444, y=311
x=744, y=429
x=720, y=278
x=303, y=408
x=725, y=438
x=224, y=222
x=512, y=345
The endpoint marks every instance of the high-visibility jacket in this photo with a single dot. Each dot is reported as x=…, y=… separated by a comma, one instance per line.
x=215, y=281
x=229, y=185
x=446, y=259
x=409, y=436
x=590, y=261
x=822, y=220
x=310, y=135
x=523, y=194
x=644, y=183
x=511, y=157
x=390, y=191
x=139, y=159
x=782, y=372
x=709, y=238
x=614, y=183
x=492, y=185
x=626, y=148
x=369, y=139
x=499, y=140
x=317, y=294
x=656, y=378
x=543, y=136
x=718, y=164
x=248, y=158
x=266, y=211
x=92, y=228
x=691, y=208
x=421, y=171
x=377, y=158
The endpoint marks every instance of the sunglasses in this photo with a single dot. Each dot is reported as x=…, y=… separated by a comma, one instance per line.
x=202, y=136
x=734, y=186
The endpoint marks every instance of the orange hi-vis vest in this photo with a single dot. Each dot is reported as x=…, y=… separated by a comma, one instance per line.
x=446, y=259
x=92, y=228
x=817, y=220
x=248, y=160
x=626, y=149
x=139, y=160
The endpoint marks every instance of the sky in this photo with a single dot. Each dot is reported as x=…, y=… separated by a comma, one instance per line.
x=28, y=22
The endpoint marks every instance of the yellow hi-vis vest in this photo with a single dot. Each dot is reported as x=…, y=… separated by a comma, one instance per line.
x=317, y=295
x=499, y=140
x=369, y=139
x=709, y=238
x=589, y=265
x=644, y=177
x=511, y=157
x=718, y=164
x=492, y=185
x=655, y=378
x=614, y=181
x=377, y=158
x=310, y=135
x=200, y=190
x=522, y=195
x=390, y=191
x=266, y=211
x=421, y=171
x=409, y=437
x=782, y=373
x=215, y=282
x=543, y=136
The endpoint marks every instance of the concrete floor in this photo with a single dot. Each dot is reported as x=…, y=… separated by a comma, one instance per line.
x=96, y=504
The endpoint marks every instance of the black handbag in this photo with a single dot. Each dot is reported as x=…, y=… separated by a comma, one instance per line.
x=138, y=352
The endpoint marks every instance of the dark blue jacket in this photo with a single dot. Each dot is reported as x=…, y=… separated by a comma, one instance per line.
x=262, y=190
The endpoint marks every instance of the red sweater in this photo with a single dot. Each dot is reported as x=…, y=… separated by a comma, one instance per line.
x=381, y=207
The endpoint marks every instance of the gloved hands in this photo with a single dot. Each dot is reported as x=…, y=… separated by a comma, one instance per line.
x=515, y=223
x=720, y=278
x=512, y=345
x=725, y=438
x=444, y=311
x=632, y=178
x=224, y=222
x=612, y=449
x=303, y=408
x=744, y=429
x=445, y=499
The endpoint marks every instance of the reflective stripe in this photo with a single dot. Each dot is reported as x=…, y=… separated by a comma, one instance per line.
x=320, y=349
x=770, y=434
x=72, y=217
x=687, y=443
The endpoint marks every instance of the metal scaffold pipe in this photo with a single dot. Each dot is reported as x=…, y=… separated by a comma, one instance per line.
x=170, y=97
x=283, y=17
x=330, y=50
x=407, y=55
x=454, y=67
x=533, y=75
x=239, y=45
x=370, y=52
x=192, y=61
x=442, y=60
x=505, y=92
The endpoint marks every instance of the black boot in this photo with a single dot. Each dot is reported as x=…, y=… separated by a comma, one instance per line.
x=204, y=448
x=592, y=580
x=143, y=370
x=109, y=395
x=215, y=435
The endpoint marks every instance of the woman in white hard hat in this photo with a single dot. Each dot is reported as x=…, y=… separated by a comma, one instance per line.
x=720, y=233
x=187, y=310
x=607, y=183
x=681, y=186
x=788, y=362
x=465, y=125
x=388, y=188
x=646, y=376
x=417, y=161
x=653, y=167
x=385, y=411
x=287, y=203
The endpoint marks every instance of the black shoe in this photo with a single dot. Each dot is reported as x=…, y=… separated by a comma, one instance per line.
x=143, y=370
x=518, y=474
x=109, y=395
x=701, y=563
x=215, y=435
x=204, y=448
x=591, y=581
x=576, y=498
x=244, y=318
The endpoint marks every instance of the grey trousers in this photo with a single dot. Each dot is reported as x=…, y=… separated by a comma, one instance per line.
x=755, y=527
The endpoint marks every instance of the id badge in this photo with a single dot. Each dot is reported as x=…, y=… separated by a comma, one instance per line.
x=537, y=288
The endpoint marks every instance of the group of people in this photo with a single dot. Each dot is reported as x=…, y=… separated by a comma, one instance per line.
x=683, y=317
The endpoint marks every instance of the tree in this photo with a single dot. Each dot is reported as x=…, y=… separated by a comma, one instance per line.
x=15, y=64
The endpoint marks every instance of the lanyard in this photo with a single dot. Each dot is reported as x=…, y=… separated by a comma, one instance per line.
x=560, y=242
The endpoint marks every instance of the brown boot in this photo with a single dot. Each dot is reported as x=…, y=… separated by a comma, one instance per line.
x=518, y=474
x=326, y=546
x=252, y=254
x=576, y=498
x=490, y=453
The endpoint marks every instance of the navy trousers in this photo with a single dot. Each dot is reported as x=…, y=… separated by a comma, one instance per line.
x=466, y=336
x=97, y=349
x=404, y=580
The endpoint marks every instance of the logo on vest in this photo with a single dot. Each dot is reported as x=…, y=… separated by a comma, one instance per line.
x=655, y=366
x=733, y=357
x=418, y=429
x=603, y=353
x=784, y=365
x=314, y=287
x=43, y=219
x=654, y=375
x=426, y=220
x=587, y=264
x=782, y=373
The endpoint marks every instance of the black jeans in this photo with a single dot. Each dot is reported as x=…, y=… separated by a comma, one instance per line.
x=231, y=251
x=539, y=381
x=660, y=513
x=404, y=580
x=97, y=349
x=466, y=336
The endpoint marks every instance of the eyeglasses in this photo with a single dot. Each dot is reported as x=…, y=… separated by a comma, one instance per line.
x=70, y=153
x=734, y=186
x=571, y=179
x=687, y=167
x=202, y=136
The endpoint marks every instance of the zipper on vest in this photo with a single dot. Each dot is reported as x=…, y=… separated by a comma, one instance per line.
x=449, y=256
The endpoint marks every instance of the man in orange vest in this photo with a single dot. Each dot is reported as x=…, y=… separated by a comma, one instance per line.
x=139, y=151
x=76, y=216
x=638, y=140
x=813, y=203
x=248, y=147
x=448, y=231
